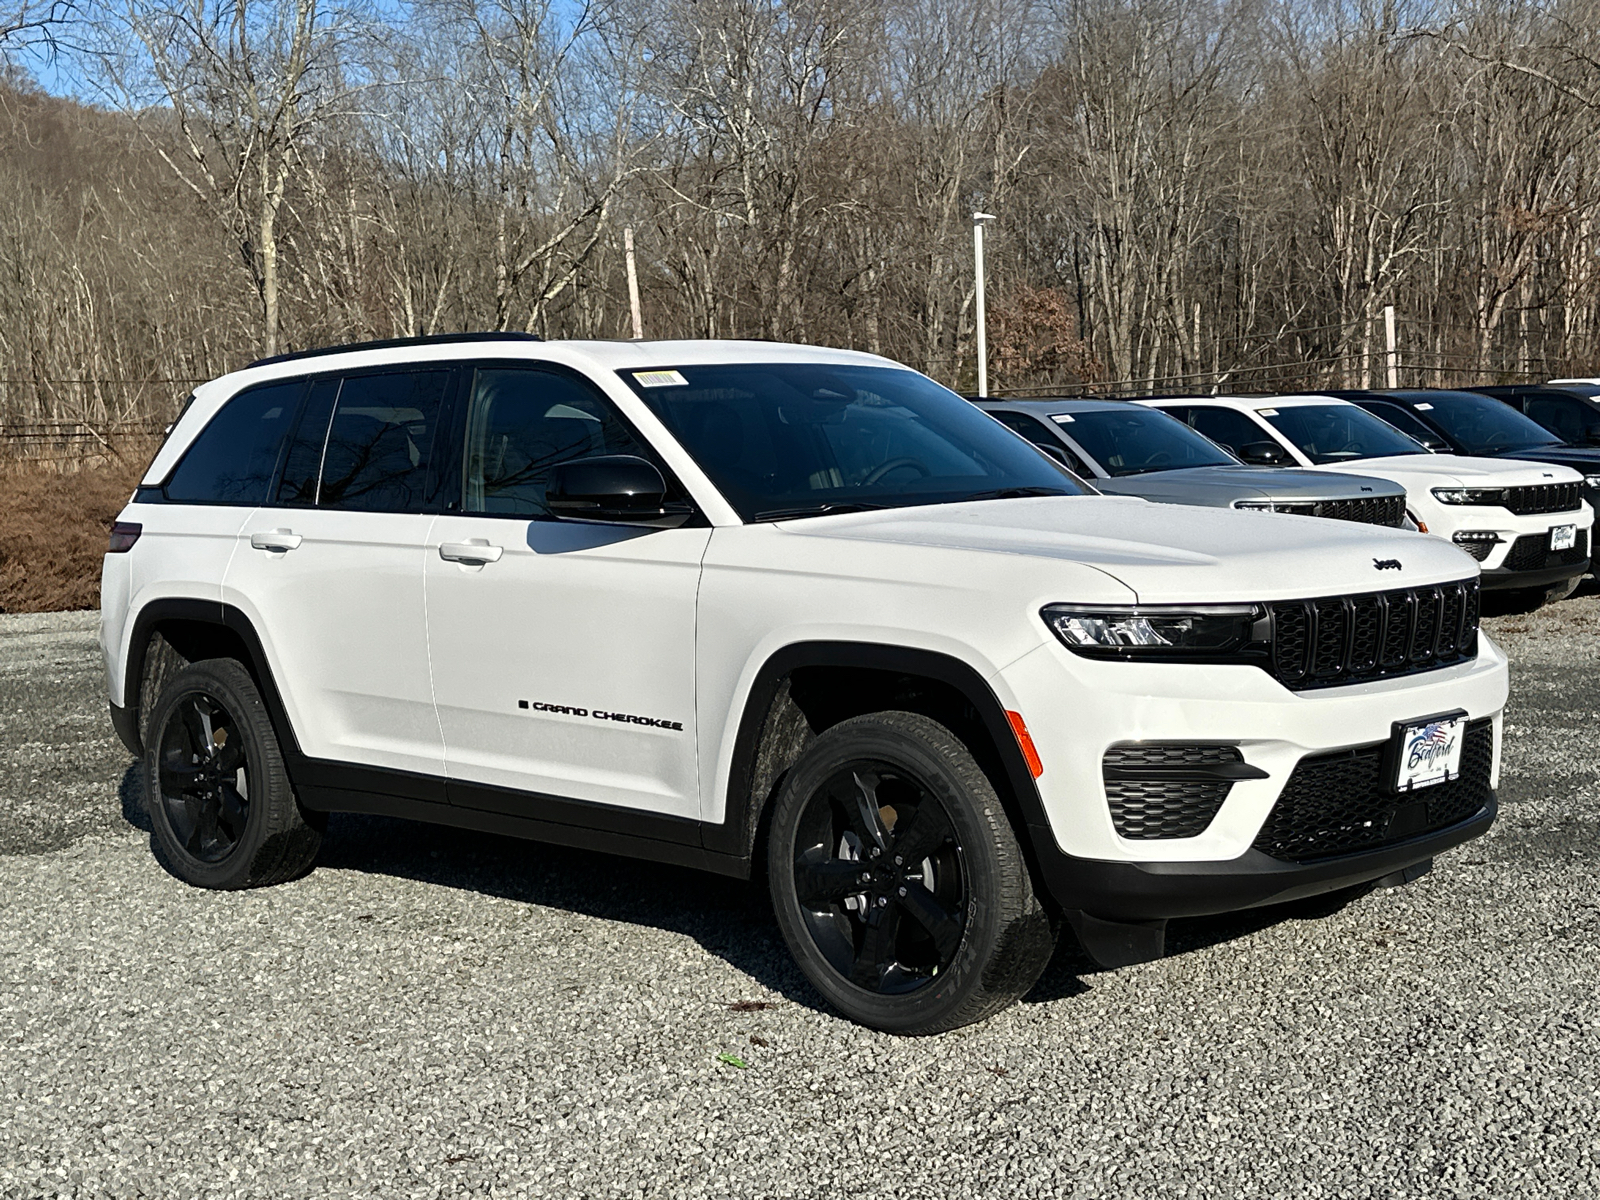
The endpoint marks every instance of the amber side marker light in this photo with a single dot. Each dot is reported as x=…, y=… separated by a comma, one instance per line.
x=1025, y=742
x=123, y=535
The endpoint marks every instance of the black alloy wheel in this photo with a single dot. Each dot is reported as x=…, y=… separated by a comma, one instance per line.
x=898, y=881
x=220, y=803
x=879, y=878
x=204, y=777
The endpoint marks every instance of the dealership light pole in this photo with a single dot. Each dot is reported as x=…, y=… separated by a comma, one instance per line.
x=979, y=220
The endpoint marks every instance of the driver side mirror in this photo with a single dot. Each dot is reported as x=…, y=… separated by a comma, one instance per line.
x=1264, y=454
x=611, y=487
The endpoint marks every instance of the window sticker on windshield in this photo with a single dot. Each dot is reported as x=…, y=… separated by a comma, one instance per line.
x=1061, y=419
x=1424, y=407
x=1267, y=412
x=660, y=379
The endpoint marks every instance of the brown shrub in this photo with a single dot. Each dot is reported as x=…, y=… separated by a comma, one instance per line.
x=53, y=529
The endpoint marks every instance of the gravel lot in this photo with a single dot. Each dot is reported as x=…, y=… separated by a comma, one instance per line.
x=436, y=1014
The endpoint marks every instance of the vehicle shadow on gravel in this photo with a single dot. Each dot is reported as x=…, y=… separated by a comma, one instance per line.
x=729, y=918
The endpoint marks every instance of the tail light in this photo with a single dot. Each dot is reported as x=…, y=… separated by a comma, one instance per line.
x=123, y=535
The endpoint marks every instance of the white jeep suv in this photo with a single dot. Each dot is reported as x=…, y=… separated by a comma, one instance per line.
x=763, y=608
x=1526, y=522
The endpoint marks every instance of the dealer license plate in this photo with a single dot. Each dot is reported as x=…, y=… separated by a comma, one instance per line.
x=1563, y=537
x=1430, y=753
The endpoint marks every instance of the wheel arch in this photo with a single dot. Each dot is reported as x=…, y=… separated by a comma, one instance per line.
x=171, y=632
x=807, y=687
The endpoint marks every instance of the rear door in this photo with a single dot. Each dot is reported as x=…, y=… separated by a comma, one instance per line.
x=330, y=570
x=563, y=652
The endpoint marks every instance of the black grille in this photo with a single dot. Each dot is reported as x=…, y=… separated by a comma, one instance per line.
x=1369, y=510
x=1544, y=498
x=1346, y=639
x=1532, y=552
x=1339, y=803
x=1164, y=804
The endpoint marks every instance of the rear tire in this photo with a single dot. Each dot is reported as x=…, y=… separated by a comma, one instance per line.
x=219, y=799
x=897, y=879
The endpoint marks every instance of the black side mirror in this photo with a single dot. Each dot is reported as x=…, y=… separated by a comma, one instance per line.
x=1264, y=454
x=612, y=487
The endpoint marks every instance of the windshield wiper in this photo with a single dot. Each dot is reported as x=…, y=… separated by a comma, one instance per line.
x=1014, y=493
x=817, y=510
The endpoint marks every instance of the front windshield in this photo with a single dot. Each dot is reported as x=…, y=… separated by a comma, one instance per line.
x=1332, y=433
x=1134, y=441
x=791, y=439
x=1482, y=424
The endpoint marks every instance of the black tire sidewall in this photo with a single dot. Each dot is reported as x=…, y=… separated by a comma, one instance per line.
x=910, y=743
x=231, y=686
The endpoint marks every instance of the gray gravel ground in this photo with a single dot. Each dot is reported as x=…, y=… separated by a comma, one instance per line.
x=436, y=1014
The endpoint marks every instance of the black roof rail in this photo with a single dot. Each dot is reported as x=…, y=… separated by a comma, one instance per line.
x=433, y=339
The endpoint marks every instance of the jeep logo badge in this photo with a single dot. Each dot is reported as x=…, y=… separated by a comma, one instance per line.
x=1386, y=564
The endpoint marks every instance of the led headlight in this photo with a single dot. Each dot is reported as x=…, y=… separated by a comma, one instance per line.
x=1253, y=505
x=1445, y=495
x=1208, y=631
x=1592, y=481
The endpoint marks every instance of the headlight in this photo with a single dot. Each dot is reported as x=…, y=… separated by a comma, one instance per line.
x=1495, y=496
x=1253, y=505
x=1592, y=481
x=1158, y=631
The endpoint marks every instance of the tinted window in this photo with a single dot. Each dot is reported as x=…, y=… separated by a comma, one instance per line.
x=1232, y=430
x=522, y=423
x=1328, y=433
x=1406, y=423
x=379, y=441
x=1039, y=434
x=1569, y=418
x=1480, y=424
x=233, y=459
x=302, y=466
x=1135, y=441
x=788, y=438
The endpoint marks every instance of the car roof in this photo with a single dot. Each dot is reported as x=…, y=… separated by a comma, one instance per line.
x=1250, y=404
x=1048, y=407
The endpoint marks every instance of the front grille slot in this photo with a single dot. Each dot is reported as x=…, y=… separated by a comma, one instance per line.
x=1340, y=804
x=1535, y=498
x=1532, y=552
x=1348, y=639
x=1370, y=510
x=1167, y=789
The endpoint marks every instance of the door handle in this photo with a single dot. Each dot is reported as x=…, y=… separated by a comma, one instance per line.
x=275, y=539
x=473, y=553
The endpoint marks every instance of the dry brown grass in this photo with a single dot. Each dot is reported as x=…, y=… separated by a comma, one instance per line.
x=53, y=527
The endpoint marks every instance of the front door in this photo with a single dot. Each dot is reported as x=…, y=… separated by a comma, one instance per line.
x=563, y=652
x=330, y=570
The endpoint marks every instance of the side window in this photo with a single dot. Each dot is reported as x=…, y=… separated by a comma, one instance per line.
x=302, y=466
x=233, y=459
x=1039, y=434
x=520, y=424
x=379, y=441
x=1227, y=428
x=1405, y=422
x=1569, y=420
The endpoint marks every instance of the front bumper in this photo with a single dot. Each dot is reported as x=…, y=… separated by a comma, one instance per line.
x=1156, y=891
x=1501, y=579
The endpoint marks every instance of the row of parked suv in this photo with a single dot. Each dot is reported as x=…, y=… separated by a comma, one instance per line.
x=805, y=615
x=1467, y=465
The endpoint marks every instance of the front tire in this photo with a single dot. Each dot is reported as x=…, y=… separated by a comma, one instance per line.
x=219, y=799
x=897, y=879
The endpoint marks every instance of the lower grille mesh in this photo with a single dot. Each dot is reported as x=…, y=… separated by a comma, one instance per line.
x=1339, y=804
x=1164, y=804
x=1532, y=552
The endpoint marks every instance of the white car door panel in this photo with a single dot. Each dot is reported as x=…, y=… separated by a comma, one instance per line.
x=563, y=653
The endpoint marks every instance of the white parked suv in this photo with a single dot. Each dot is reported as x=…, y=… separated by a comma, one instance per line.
x=1526, y=522
x=773, y=609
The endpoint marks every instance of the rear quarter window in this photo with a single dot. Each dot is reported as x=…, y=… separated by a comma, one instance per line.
x=233, y=459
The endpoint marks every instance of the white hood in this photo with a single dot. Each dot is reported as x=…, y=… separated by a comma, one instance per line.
x=1169, y=553
x=1452, y=470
